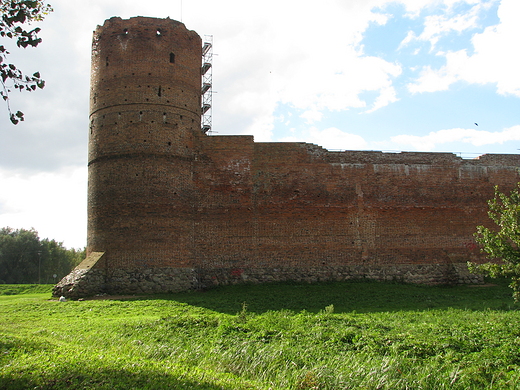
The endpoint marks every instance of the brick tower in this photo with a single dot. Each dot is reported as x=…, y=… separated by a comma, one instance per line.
x=144, y=118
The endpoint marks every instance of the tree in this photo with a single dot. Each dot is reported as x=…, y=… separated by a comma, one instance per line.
x=502, y=244
x=24, y=258
x=14, y=14
x=18, y=255
x=57, y=260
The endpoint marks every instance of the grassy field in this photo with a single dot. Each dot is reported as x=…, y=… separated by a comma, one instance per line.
x=281, y=336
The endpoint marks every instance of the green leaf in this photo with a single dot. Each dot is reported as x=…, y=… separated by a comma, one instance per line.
x=502, y=243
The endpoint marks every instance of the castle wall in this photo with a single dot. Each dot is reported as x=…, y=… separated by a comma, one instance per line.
x=171, y=208
x=311, y=214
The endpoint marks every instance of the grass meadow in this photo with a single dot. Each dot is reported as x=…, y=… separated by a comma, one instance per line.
x=357, y=335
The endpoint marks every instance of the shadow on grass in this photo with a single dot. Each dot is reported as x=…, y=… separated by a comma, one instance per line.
x=361, y=297
x=52, y=370
x=105, y=379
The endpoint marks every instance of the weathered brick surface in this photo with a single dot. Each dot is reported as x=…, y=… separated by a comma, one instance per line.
x=310, y=207
x=145, y=107
x=173, y=209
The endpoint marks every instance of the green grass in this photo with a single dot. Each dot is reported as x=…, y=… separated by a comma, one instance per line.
x=281, y=336
x=16, y=289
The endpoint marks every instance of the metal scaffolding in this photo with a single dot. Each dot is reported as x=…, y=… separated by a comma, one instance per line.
x=207, y=83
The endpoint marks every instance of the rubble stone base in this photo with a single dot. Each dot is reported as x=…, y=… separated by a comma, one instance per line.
x=89, y=282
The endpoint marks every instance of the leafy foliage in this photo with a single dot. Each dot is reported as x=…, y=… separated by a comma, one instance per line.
x=24, y=258
x=14, y=14
x=503, y=244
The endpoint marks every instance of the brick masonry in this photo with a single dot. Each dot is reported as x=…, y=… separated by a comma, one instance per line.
x=170, y=208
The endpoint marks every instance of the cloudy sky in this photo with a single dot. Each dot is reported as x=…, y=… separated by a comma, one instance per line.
x=413, y=75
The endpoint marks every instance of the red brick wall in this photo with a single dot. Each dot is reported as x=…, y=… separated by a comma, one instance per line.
x=295, y=204
x=145, y=110
x=164, y=196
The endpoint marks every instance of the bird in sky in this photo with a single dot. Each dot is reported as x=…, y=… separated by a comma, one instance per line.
x=476, y=124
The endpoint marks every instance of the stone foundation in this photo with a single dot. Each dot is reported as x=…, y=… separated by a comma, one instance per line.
x=151, y=280
x=84, y=280
x=88, y=282
x=81, y=283
x=427, y=274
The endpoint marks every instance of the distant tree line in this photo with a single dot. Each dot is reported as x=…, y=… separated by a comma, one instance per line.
x=24, y=258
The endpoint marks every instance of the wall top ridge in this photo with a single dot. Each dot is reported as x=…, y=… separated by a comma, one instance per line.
x=318, y=152
x=144, y=21
x=497, y=159
x=143, y=27
x=425, y=158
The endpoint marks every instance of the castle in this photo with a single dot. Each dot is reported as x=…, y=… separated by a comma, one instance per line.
x=171, y=208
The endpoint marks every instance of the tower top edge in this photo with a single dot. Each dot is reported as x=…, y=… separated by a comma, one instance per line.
x=117, y=22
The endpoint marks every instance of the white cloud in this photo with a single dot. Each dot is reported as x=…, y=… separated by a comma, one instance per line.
x=331, y=138
x=312, y=115
x=433, y=80
x=303, y=55
x=495, y=59
x=387, y=95
x=414, y=7
x=52, y=203
x=469, y=136
x=437, y=26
